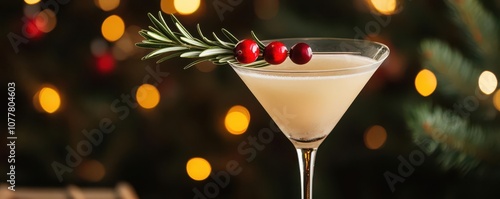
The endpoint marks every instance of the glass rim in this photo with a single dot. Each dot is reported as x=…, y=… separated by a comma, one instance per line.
x=364, y=67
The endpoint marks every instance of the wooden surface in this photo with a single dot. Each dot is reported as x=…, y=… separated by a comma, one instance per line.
x=121, y=191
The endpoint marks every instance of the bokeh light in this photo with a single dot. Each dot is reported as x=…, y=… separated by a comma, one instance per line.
x=31, y=30
x=49, y=99
x=31, y=10
x=46, y=20
x=113, y=28
x=105, y=63
x=186, y=7
x=375, y=137
x=198, y=168
x=425, y=82
x=107, y=5
x=266, y=9
x=487, y=82
x=98, y=47
x=147, y=96
x=123, y=48
x=496, y=100
x=31, y=2
x=386, y=7
x=167, y=6
x=237, y=120
x=91, y=170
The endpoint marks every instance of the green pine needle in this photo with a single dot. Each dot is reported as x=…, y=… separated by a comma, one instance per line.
x=455, y=140
x=458, y=143
x=455, y=73
x=480, y=26
x=170, y=44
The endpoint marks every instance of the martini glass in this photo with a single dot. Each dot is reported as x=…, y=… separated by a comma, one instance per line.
x=307, y=101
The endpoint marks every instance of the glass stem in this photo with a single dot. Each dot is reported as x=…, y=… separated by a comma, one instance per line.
x=306, y=166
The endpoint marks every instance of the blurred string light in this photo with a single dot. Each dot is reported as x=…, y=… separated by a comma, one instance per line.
x=113, y=28
x=105, y=63
x=237, y=120
x=425, y=82
x=98, y=46
x=123, y=48
x=107, y=5
x=31, y=10
x=48, y=99
x=31, y=29
x=91, y=170
x=31, y=2
x=186, y=7
x=266, y=9
x=487, y=82
x=198, y=168
x=375, y=137
x=167, y=6
x=147, y=96
x=496, y=100
x=385, y=7
x=46, y=20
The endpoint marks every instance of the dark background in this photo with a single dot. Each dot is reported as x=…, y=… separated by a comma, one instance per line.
x=150, y=148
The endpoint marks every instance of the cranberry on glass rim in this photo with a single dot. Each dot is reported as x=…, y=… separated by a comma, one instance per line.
x=275, y=53
x=246, y=51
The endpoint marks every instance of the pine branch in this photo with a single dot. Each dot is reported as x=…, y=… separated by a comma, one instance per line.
x=480, y=26
x=458, y=143
x=170, y=44
x=455, y=73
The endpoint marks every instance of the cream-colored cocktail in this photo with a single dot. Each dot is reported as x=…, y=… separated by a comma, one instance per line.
x=307, y=105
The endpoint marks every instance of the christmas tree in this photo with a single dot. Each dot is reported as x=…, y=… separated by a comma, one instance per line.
x=459, y=123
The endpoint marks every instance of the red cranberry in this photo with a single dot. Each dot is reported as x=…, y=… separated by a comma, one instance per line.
x=275, y=52
x=300, y=53
x=246, y=51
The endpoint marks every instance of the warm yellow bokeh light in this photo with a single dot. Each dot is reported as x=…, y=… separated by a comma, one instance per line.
x=49, y=99
x=385, y=7
x=237, y=120
x=198, y=168
x=496, y=100
x=375, y=137
x=46, y=20
x=186, y=7
x=113, y=28
x=31, y=2
x=167, y=6
x=107, y=5
x=425, y=82
x=147, y=96
x=487, y=82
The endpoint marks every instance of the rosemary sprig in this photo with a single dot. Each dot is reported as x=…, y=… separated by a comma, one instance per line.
x=170, y=44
